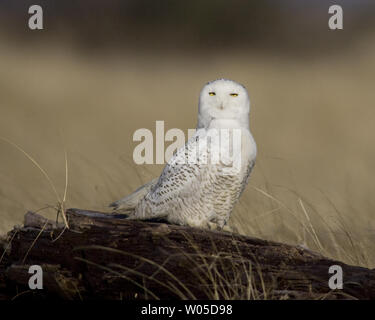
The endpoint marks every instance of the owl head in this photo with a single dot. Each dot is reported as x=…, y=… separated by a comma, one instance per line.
x=223, y=99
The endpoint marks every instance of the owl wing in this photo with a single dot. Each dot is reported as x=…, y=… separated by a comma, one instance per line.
x=183, y=174
x=179, y=176
x=246, y=177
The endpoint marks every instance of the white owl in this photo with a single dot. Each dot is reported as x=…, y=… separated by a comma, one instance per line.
x=193, y=190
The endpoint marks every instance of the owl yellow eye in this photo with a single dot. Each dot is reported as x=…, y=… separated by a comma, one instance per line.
x=212, y=93
x=233, y=94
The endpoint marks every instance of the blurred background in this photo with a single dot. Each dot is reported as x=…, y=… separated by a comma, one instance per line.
x=99, y=70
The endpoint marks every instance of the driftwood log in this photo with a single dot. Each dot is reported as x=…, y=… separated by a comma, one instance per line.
x=102, y=256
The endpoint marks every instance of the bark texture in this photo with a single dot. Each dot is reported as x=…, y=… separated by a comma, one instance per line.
x=103, y=256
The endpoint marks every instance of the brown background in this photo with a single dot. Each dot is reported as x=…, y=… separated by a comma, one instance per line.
x=101, y=70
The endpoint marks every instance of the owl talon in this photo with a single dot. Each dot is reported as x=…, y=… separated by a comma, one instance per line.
x=227, y=228
x=212, y=226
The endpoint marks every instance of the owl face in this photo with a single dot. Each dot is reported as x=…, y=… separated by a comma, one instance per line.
x=223, y=99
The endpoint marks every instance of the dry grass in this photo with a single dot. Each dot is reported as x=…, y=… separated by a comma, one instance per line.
x=221, y=275
x=312, y=120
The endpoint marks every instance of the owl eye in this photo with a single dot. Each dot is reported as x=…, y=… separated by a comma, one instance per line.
x=212, y=93
x=233, y=94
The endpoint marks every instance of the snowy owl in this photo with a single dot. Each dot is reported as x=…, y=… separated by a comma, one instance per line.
x=202, y=193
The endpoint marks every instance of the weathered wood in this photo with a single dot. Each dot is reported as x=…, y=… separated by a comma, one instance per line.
x=103, y=256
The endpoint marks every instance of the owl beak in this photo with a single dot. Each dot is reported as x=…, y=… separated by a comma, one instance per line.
x=221, y=106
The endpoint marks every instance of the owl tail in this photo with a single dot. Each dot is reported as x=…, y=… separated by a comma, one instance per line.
x=129, y=203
